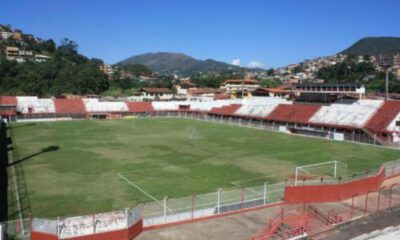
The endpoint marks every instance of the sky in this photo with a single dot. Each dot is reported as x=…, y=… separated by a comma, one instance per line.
x=255, y=33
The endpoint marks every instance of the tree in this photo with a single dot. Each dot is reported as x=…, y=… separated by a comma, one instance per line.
x=48, y=46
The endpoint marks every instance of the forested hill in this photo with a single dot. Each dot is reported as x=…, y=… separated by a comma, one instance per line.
x=166, y=62
x=375, y=46
x=40, y=67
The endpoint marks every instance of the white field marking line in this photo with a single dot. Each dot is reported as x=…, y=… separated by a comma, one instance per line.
x=140, y=189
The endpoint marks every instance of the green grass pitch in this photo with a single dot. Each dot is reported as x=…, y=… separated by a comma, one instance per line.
x=172, y=157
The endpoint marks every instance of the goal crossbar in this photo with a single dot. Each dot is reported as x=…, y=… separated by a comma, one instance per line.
x=316, y=165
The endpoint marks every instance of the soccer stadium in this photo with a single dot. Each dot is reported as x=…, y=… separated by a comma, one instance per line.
x=92, y=169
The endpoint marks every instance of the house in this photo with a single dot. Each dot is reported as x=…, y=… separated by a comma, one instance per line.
x=240, y=87
x=183, y=86
x=108, y=70
x=23, y=53
x=41, y=58
x=12, y=53
x=6, y=35
x=156, y=94
x=280, y=92
x=204, y=92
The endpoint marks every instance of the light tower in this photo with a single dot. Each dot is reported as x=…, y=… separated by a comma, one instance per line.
x=386, y=64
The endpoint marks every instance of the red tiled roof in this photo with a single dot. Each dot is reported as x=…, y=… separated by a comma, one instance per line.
x=221, y=96
x=296, y=113
x=140, y=106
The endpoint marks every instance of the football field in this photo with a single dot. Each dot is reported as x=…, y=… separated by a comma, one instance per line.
x=97, y=166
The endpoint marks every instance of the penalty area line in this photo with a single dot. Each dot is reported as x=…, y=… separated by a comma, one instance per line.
x=140, y=189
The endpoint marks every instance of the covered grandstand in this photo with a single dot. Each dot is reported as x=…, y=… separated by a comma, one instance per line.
x=370, y=121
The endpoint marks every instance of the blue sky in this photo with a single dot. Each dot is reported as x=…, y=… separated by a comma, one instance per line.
x=271, y=32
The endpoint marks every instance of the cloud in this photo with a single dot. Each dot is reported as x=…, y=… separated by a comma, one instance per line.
x=256, y=64
x=236, y=62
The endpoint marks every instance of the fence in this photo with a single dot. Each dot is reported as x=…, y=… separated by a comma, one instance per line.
x=118, y=222
x=294, y=220
x=204, y=205
x=332, y=133
x=19, y=208
x=354, y=135
x=222, y=201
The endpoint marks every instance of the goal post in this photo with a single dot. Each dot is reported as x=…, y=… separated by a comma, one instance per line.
x=330, y=169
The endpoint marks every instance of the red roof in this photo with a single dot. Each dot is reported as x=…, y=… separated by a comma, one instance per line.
x=221, y=96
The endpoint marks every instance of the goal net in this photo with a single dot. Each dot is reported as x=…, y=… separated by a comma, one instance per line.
x=327, y=171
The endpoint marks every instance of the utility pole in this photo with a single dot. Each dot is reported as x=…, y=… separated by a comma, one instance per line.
x=385, y=64
x=243, y=86
x=387, y=83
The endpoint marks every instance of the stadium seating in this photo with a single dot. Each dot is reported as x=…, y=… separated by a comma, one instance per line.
x=260, y=107
x=195, y=106
x=382, y=119
x=35, y=105
x=136, y=107
x=354, y=114
x=166, y=106
x=208, y=105
x=69, y=106
x=228, y=110
x=93, y=105
x=294, y=113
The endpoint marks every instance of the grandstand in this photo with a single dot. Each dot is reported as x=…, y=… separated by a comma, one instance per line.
x=140, y=107
x=32, y=105
x=93, y=105
x=371, y=121
x=368, y=117
x=293, y=113
x=70, y=106
x=355, y=114
x=260, y=107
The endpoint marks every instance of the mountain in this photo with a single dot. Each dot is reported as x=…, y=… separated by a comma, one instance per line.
x=166, y=62
x=375, y=46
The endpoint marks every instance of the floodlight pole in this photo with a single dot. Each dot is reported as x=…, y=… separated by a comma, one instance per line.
x=296, y=175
